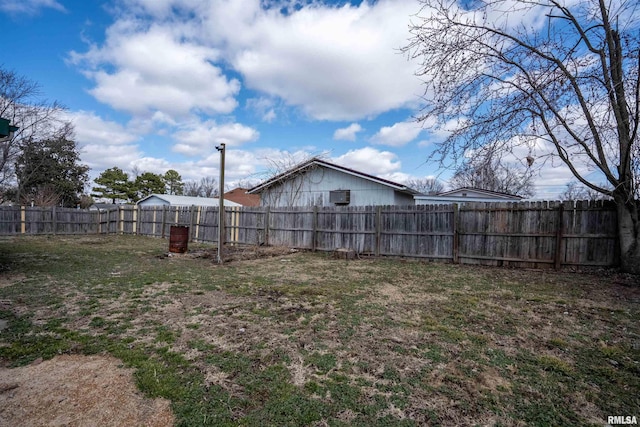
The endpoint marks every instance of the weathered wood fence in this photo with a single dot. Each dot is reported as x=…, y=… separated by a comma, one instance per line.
x=526, y=234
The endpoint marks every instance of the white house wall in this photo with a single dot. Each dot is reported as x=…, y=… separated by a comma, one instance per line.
x=312, y=189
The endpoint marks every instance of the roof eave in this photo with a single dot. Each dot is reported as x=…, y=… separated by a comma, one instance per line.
x=482, y=191
x=284, y=175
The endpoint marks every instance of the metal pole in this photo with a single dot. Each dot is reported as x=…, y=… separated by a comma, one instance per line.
x=221, y=149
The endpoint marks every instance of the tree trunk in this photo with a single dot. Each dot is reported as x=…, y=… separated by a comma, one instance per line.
x=629, y=234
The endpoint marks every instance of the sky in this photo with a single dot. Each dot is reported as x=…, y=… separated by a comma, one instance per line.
x=153, y=85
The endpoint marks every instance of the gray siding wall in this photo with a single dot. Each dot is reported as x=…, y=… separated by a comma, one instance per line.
x=154, y=201
x=402, y=199
x=435, y=200
x=312, y=189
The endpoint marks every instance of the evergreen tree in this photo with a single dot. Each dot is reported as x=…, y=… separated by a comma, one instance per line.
x=149, y=183
x=173, y=182
x=49, y=172
x=113, y=184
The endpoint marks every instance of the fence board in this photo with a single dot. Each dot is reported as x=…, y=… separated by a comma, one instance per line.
x=527, y=234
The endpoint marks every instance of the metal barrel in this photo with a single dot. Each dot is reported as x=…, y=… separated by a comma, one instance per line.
x=178, y=239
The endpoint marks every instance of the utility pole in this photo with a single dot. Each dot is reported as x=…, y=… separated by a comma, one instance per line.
x=221, y=149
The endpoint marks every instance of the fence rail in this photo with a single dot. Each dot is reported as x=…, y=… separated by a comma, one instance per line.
x=525, y=234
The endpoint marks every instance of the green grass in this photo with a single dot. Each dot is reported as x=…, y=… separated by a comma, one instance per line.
x=314, y=341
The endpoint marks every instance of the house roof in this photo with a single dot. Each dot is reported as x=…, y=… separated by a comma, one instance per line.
x=466, y=194
x=96, y=206
x=480, y=191
x=188, y=200
x=323, y=163
x=239, y=195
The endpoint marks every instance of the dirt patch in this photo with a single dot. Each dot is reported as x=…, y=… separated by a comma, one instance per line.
x=392, y=293
x=10, y=280
x=74, y=390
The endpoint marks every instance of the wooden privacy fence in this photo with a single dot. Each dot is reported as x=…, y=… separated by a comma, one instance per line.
x=525, y=234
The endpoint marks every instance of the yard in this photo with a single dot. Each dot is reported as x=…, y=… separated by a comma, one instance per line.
x=304, y=339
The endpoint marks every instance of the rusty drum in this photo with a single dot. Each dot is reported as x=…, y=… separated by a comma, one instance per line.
x=178, y=239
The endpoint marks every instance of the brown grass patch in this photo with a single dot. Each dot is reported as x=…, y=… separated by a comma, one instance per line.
x=73, y=390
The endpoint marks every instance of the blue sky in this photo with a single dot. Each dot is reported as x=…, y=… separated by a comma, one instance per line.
x=157, y=84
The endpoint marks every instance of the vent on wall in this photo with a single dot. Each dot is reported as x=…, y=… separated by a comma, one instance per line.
x=340, y=197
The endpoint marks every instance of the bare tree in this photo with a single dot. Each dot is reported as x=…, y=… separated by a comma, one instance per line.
x=635, y=168
x=209, y=187
x=553, y=80
x=42, y=196
x=486, y=172
x=36, y=119
x=192, y=188
x=86, y=201
x=206, y=187
x=136, y=171
x=426, y=185
x=247, y=183
x=576, y=191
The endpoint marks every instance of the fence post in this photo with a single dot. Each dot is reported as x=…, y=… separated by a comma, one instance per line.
x=314, y=227
x=557, y=258
x=456, y=235
x=235, y=225
x=164, y=220
x=153, y=224
x=378, y=228
x=266, y=226
x=134, y=226
x=139, y=220
x=23, y=219
x=197, y=225
x=120, y=220
x=54, y=222
x=192, y=212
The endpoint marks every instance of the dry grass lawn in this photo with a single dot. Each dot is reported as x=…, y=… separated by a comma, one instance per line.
x=282, y=338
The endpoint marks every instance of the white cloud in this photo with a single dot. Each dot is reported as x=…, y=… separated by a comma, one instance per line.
x=103, y=143
x=92, y=129
x=240, y=165
x=399, y=177
x=201, y=138
x=164, y=8
x=335, y=63
x=397, y=135
x=100, y=157
x=332, y=62
x=370, y=160
x=166, y=68
x=348, y=133
x=269, y=116
x=30, y=7
x=143, y=69
x=264, y=107
x=153, y=164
